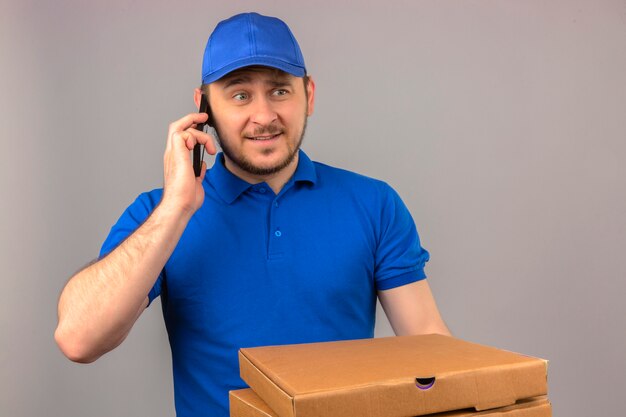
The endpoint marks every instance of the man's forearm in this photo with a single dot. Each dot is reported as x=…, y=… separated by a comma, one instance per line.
x=100, y=304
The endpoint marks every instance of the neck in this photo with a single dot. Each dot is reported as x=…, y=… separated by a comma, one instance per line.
x=276, y=181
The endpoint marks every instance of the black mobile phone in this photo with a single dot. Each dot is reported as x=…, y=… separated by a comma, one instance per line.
x=197, y=150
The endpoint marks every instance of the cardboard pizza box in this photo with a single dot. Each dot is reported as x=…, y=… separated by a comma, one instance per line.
x=389, y=377
x=245, y=403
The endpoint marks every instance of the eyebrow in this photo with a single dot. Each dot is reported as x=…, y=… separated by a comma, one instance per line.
x=242, y=79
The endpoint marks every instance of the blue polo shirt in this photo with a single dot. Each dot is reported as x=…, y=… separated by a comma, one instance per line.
x=254, y=268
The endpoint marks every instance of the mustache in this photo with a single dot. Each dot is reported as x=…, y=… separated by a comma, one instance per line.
x=272, y=129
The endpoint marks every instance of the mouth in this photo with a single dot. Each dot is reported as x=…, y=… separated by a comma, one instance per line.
x=264, y=138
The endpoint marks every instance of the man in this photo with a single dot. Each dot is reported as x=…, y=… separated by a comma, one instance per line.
x=265, y=248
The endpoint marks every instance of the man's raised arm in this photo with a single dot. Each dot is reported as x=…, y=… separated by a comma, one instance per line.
x=99, y=305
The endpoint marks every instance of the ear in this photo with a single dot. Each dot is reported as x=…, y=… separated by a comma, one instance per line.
x=197, y=94
x=311, y=92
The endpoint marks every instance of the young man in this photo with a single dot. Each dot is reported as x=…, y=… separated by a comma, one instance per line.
x=265, y=248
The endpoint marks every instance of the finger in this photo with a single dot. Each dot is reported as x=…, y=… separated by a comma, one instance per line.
x=209, y=145
x=203, y=138
x=203, y=169
x=181, y=141
x=187, y=121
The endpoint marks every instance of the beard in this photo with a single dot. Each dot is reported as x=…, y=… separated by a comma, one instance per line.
x=245, y=164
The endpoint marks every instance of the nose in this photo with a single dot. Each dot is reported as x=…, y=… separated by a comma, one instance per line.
x=263, y=113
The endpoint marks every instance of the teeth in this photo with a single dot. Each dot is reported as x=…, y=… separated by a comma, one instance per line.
x=263, y=137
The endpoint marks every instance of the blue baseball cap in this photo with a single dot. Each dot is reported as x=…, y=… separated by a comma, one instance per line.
x=251, y=39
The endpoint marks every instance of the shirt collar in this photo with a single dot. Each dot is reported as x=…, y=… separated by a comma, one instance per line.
x=229, y=186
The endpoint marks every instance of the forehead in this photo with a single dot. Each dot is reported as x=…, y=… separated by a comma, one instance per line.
x=255, y=74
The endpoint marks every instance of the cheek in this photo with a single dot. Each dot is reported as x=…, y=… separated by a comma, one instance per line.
x=230, y=121
x=295, y=115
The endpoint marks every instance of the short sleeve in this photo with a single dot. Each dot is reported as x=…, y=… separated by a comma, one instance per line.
x=129, y=221
x=400, y=258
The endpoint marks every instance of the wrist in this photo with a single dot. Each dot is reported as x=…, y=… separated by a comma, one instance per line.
x=170, y=211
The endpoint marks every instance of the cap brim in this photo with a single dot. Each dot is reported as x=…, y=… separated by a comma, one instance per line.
x=267, y=62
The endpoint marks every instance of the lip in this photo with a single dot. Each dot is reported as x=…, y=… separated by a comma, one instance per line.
x=264, y=138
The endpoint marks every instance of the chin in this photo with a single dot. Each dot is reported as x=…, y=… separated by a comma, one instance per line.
x=267, y=165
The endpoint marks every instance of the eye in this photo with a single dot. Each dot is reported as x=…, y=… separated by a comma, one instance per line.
x=240, y=96
x=280, y=92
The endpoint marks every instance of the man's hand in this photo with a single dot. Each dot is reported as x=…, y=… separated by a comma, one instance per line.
x=182, y=190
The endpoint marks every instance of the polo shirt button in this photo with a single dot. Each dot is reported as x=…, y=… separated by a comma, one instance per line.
x=275, y=203
x=262, y=190
x=277, y=233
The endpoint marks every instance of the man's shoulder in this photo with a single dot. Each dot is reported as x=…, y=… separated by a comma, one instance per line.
x=355, y=186
x=343, y=176
x=144, y=203
x=134, y=215
x=150, y=198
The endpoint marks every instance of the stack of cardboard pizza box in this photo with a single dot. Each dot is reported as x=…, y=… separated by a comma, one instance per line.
x=402, y=376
